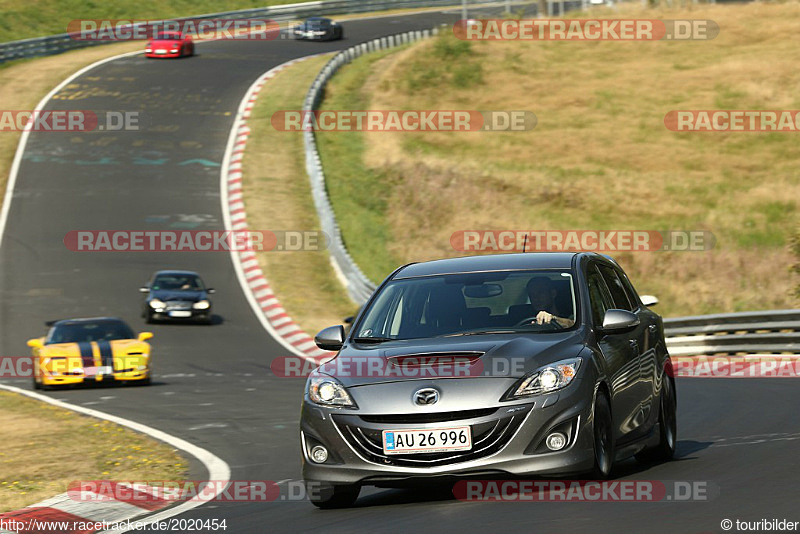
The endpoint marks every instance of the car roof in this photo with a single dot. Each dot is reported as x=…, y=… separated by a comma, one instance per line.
x=175, y=273
x=84, y=320
x=318, y=19
x=489, y=262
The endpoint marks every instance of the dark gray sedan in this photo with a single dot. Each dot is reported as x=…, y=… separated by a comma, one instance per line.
x=505, y=365
x=176, y=295
x=318, y=29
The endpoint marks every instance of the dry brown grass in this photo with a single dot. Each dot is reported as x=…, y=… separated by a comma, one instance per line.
x=278, y=197
x=45, y=448
x=600, y=156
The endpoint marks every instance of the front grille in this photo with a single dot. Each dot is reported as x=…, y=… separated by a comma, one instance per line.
x=440, y=417
x=491, y=431
x=178, y=304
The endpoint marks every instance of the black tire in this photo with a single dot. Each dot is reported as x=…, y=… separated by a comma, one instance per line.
x=36, y=385
x=144, y=382
x=327, y=497
x=667, y=427
x=148, y=317
x=603, y=431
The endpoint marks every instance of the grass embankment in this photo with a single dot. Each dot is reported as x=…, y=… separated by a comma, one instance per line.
x=23, y=20
x=45, y=448
x=278, y=197
x=599, y=158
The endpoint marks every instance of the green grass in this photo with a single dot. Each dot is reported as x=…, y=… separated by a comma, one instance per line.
x=46, y=448
x=23, y=20
x=359, y=195
x=277, y=195
x=600, y=157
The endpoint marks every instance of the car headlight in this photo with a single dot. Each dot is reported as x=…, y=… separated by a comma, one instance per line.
x=548, y=378
x=201, y=305
x=327, y=391
x=148, y=49
x=155, y=303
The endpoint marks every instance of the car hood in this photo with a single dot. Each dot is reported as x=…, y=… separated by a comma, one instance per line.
x=74, y=350
x=165, y=295
x=166, y=44
x=505, y=356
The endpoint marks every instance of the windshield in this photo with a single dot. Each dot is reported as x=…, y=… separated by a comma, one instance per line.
x=168, y=37
x=462, y=304
x=177, y=282
x=81, y=332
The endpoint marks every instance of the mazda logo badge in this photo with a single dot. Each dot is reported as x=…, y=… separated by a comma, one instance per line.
x=426, y=397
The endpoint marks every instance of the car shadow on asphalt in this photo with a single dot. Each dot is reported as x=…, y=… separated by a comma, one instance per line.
x=442, y=491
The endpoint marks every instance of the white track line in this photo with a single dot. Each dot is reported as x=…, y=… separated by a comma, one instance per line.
x=23, y=140
x=217, y=469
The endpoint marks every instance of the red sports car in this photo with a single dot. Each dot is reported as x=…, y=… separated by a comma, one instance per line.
x=170, y=44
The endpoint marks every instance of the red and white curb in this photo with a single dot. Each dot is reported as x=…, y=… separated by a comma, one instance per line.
x=63, y=513
x=81, y=512
x=255, y=285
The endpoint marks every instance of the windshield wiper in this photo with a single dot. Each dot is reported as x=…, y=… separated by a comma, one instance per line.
x=372, y=339
x=480, y=332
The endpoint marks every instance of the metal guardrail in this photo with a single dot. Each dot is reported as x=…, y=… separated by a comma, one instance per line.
x=56, y=44
x=761, y=332
x=358, y=285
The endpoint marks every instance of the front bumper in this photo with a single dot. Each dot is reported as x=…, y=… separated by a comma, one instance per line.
x=354, y=461
x=70, y=379
x=167, y=54
x=183, y=314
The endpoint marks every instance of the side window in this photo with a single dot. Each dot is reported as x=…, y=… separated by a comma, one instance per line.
x=633, y=296
x=599, y=297
x=621, y=301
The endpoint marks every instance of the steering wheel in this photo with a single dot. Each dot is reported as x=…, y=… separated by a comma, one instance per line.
x=529, y=320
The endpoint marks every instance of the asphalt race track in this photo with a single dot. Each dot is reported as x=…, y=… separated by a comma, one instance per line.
x=213, y=385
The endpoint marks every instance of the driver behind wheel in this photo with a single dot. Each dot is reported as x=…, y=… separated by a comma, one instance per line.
x=542, y=293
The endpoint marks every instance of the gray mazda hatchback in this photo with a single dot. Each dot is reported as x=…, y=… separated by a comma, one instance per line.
x=497, y=365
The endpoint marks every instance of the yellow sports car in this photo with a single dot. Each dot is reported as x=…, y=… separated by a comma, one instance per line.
x=101, y=349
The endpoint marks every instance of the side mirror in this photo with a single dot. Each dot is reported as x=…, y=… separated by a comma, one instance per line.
x=144, y=289
x=648, y=300
x=144, y=336
x=619, y=320
x=331, y=338
x=36, y=343
x=211, y=290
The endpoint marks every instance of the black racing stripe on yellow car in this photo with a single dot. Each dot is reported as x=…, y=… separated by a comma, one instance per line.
x=106, y=354
x=87, y=353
